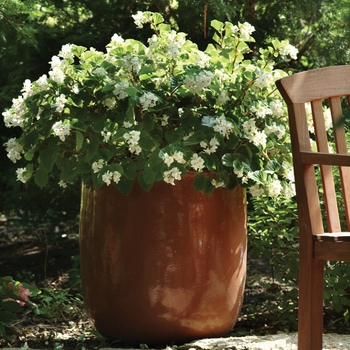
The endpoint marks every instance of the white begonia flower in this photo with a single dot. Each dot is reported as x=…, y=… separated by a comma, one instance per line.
x=132, y=138
x=27, y=89
x=179, y=157
x=107, y=177
x=246, y=29
x=59, y=103
x=148, y=100
x=140, y=19
x=100, y=71
x=223, y=127
x=256, y=190
x=203, y=59
x=198, y=82
x=168, y=160
x=61, y=129
x=289, y=191
x=239, y=172
x=117, y=39
x=249, y=125
x=106, y=135
x=131, y=63
x=275, y=188
x=66, y=51
x=119, y=90
x=165, y=120
x=97, y=166
x=222, y=98
x=109, y=102
x=328, y=118
x=278, y=130
x=15, y=115
x=22, y=175
x=42, y=83
x=116, y=176
x=76, y=89
x=127, y=124
x=57, y=75
x=217, y=184
x=56, y=62
x=277, y=108
x=189, y=82
x=264, y=79
x=174, y=44
x=62, y=184
x=153, y=42
x=171, y=175
x=14, y=149
x=289, y=174
x=258, y=138
x=287, y=49
x=197, y=162
x=210, y=147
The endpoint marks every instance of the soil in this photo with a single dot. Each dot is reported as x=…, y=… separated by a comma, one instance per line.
x=47, y=261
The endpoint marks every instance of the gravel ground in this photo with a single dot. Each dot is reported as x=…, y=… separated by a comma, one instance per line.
x=281, y=341
x=269, y=342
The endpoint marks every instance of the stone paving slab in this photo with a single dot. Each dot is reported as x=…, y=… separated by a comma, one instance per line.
x=281, y=341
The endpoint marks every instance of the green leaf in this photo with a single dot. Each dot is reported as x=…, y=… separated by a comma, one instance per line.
x=48, y=158
x=79, y=139
x=148, y=174
x=93, y=143
x=208, y=186
x=199, y=182
x=7, y=317
x=130, y=113
x=125, y=185
x=29, y=155
x=41, y=177
x=217, y=25
x=69, y=172
x=194, y=139
x=129, y=169
x=232, y=142
x=78, y=125
x=146, y=141
x=145, y=186
x=157, y=18
x=83, y=167
x=228, y=159
x=148, y=123
x=12, y=306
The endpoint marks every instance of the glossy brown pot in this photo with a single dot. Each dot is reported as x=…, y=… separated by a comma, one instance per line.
x=164, y=266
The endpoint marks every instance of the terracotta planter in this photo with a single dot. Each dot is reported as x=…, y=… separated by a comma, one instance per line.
x=164, y=266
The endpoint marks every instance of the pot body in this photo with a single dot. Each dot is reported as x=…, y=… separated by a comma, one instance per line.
x=164, y=266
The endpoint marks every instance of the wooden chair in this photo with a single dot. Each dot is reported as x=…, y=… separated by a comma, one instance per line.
x=321, y=236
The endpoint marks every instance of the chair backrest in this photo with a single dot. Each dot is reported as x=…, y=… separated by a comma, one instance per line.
x=319, y=142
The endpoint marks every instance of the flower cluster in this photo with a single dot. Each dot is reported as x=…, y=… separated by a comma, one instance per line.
x=23, y=293
x=157, y=111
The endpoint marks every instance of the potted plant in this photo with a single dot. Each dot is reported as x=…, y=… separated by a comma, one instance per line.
x=167, y=132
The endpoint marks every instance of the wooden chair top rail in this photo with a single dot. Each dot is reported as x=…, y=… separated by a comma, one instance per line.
x=317, y=85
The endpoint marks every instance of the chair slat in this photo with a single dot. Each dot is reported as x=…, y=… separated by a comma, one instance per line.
x=342, y=148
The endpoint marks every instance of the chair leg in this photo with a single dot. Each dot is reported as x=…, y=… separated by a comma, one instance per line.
x=310, y=312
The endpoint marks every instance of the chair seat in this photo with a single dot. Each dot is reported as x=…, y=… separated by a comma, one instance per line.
x=332, y=236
